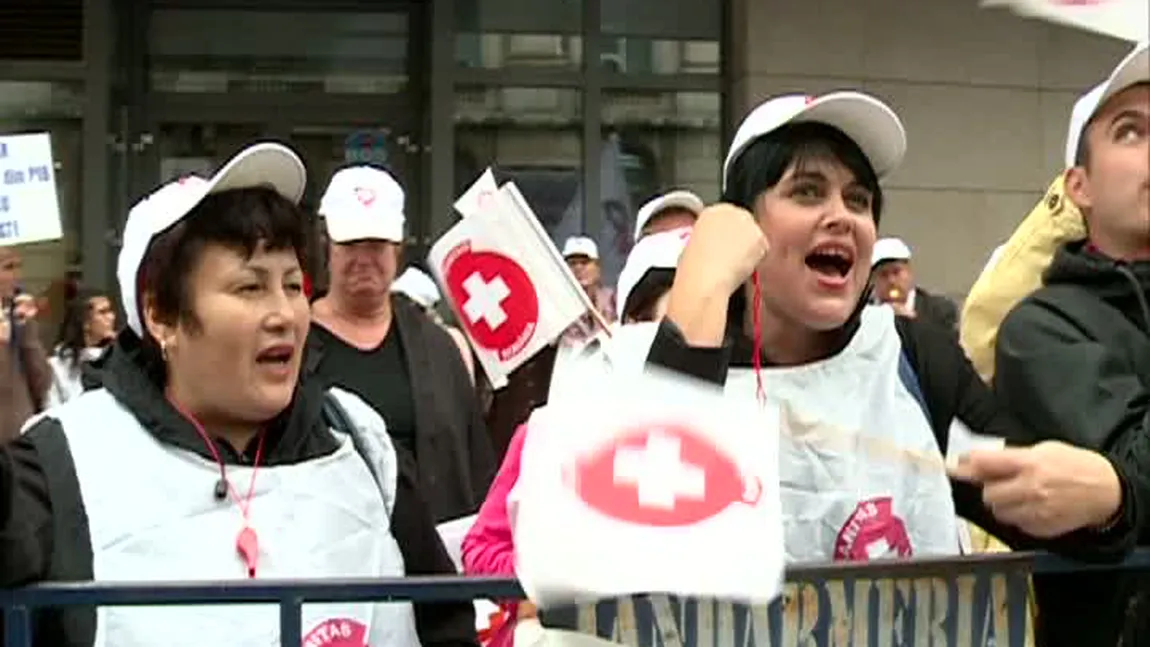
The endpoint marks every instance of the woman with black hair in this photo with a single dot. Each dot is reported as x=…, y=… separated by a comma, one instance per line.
x=88, y=328
x=207, y=454
x=770, y=298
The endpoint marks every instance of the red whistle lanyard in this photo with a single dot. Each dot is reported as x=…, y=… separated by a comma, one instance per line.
x=247, y=541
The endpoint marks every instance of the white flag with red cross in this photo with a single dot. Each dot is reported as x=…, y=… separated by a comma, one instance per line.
x=510, y=289
x=648, y=483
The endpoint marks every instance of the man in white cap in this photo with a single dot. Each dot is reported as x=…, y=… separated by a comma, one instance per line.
x=1073, y=358
x=668, y=212
x=386, y=350
x=582, y=256
x=894, y=284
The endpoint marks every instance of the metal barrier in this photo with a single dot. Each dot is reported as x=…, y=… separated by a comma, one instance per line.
x=974, y=600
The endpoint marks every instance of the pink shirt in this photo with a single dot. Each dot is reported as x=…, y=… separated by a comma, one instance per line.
x=488, y=548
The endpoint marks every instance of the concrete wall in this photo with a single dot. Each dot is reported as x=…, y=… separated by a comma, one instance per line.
x=985, y=97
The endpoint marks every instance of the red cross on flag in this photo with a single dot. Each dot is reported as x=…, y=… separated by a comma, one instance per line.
x=508, y=285
x=1124, y=19
x=648, y=483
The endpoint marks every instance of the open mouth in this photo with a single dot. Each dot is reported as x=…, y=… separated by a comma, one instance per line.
x=276, y=355
x=831, y=260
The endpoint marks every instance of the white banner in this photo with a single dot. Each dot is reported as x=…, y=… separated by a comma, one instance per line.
x=29, y=207
x=628, y=484
x=1124, y=19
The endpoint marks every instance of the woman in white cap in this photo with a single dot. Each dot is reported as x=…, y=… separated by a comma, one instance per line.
x=204, y=456
x=771, y=299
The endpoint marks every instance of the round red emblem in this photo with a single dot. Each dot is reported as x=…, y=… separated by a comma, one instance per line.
x=496, y=299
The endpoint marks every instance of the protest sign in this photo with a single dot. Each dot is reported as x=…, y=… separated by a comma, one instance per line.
x=29, y=209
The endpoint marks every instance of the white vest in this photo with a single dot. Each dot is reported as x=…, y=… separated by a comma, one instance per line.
x=153, y=516
x=861, y=472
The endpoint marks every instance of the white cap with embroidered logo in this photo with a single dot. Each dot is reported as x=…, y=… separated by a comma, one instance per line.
x=363, y=203
x=261, y=165
x=870, y=123
x=1131, y=70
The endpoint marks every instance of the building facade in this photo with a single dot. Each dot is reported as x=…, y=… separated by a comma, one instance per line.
x=591, y=106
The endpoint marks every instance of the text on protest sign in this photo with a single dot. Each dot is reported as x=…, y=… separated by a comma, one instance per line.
x=29, y=210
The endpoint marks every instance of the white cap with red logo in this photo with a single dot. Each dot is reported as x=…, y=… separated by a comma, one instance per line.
x=265, y=164
x=363, y=203
x=1131, y=70
x=870, y=123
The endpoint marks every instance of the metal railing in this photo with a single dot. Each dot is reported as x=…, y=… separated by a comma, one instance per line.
x=992, y=585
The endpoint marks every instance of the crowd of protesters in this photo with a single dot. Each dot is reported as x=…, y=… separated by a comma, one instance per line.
x=233, y=425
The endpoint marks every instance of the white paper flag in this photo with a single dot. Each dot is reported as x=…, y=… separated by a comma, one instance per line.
x=478, y=195
x=508, y=285
x=1124, y=19
x=648, y=483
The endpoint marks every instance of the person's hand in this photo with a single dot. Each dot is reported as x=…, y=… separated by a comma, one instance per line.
x=24, y=308
x=527, y=609
x=726, y=246
x=1046, y=490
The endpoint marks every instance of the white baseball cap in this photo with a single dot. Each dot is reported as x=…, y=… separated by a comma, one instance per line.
x=417, y=285
x=870, y=123
x=580, y=246
x=1133, y=69
x=656, y=251
x=363, y=203
x=264, y=164
x=674, y=200
x=889, y=249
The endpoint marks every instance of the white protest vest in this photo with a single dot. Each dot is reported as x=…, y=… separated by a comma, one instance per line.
x=861, y=472
x=153, y=516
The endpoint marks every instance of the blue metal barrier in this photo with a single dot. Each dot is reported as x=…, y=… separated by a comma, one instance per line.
x=974, y=600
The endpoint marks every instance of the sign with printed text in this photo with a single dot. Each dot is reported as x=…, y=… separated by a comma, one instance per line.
x=987, y=609
x=29, y=208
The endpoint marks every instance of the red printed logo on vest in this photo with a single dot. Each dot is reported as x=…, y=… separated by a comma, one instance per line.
x=337, y=632
x=872, y=531
x=495, y=297
x=661, y=475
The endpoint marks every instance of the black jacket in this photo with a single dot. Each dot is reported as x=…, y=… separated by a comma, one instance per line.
x=44, y=531
x=455, y=456
x=1073, y=363
x=936, y=309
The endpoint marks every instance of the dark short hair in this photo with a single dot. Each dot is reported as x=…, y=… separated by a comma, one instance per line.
x=640, y=305
x=763, y=163
x=240, y=219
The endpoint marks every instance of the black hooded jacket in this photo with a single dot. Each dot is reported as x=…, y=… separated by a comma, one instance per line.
x=1073, y=364
x=44, y=533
